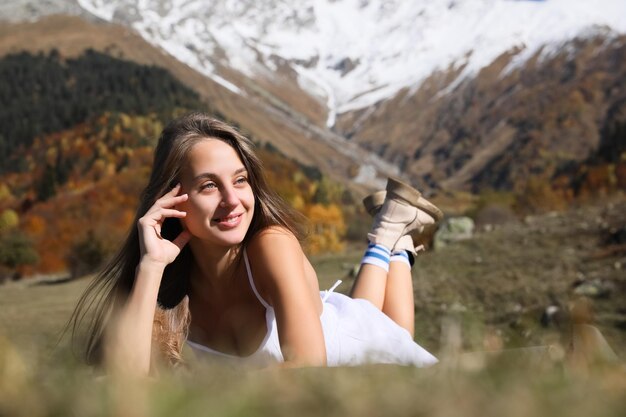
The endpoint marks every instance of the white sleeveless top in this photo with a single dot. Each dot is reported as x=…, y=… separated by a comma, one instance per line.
x=355, y=332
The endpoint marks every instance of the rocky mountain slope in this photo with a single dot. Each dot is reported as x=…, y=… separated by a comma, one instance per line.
x=501, y=128
x=354, y=53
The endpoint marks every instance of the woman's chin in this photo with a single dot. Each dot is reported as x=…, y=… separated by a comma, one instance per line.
x=224, y=239
x=234, y=241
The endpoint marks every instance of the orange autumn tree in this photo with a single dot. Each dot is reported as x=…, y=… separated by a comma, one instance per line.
x=328, y=228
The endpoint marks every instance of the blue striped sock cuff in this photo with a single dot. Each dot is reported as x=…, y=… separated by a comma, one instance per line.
x=400, y=256
x=377, y=255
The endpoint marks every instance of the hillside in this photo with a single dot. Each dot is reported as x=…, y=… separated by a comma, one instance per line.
x=261, y=114
x=553, y=119
x=43, y=94
x=503, y=280
x=75, y=199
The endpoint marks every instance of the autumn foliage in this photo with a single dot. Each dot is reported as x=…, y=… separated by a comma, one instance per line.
x=76, y=198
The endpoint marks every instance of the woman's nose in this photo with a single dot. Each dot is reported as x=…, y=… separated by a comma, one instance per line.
x=229, y=197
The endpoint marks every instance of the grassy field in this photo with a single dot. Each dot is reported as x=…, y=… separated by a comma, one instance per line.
x=479, y=305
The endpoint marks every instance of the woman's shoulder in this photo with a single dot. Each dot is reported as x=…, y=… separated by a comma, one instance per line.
x=274, y=245
x=275, y=256
x=275, y=235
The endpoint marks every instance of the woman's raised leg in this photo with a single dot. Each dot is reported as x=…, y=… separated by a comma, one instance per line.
x=371, y=280
x=399, y=212
x=399, y=303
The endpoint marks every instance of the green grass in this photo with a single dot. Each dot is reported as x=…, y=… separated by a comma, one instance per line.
x=490, y=387
x=32, y=314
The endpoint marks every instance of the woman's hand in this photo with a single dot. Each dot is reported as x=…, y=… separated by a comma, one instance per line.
x=153, y=247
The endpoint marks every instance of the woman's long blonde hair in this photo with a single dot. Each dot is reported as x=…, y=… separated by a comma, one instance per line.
x=111, y=288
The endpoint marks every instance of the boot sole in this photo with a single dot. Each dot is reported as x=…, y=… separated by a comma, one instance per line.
x=413, y=197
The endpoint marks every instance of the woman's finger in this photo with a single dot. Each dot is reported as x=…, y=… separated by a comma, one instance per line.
x=165, y=204
x=173, y=192
x=157, y=215
x=164, y=213
x=175, y=189
x=170, y=201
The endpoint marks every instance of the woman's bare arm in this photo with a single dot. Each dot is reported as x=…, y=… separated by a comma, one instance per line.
x=277, y=263
x=129, y=342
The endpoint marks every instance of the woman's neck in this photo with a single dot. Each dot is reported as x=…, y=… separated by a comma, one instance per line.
x=214, y=267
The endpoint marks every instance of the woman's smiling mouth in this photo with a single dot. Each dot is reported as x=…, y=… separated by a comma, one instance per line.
x=230, y=221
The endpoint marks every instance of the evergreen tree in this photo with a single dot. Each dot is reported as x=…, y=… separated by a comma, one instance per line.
x=47, y=185
x=41, y=94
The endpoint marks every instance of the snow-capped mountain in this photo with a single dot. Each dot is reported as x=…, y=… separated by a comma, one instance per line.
x=353, y=53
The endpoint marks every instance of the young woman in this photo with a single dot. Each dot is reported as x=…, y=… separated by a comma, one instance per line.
x=215, y=262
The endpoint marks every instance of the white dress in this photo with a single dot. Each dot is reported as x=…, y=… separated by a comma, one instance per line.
x=355, y=333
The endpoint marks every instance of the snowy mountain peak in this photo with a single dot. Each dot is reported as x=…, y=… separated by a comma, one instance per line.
x=354, y=53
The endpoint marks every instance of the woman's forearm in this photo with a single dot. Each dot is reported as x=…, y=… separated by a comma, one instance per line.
x=129, y=348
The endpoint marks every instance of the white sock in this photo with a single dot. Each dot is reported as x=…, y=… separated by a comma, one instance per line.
x=401, y=256
x=377, y=255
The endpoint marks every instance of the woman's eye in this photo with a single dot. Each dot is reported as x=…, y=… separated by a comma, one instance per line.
x=241, y=180
x=208, y=185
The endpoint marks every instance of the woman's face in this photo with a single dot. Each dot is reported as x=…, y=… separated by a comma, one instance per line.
x=221, y=203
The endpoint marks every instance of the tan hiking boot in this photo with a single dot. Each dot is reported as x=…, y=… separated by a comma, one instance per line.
x=424, y=215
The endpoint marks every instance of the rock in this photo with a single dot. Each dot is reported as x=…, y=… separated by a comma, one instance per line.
x=457, y=307
x=454, y=229
x=494, y=215
x=594, y=289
